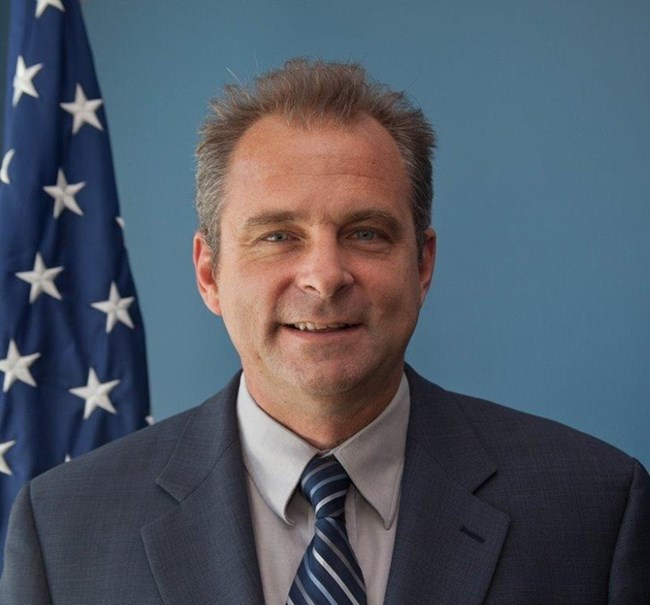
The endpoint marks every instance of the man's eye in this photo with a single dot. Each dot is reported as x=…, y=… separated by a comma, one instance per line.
x=280, y=236
x=365, y=235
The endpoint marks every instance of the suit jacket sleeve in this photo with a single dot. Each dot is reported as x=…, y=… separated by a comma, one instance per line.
x=23, y=579
x=629, y=581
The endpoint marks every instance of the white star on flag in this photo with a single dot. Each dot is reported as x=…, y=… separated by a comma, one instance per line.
x=96, y=394
x=63, y=194
x=83, y=110
x=23, y=80
x=16, y=367
x=116, y=308
x=42, y=279
x=4, y=169
x=4, y=447
x=41, y=5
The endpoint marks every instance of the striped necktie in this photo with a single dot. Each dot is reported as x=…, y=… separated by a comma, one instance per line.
x=329, y=573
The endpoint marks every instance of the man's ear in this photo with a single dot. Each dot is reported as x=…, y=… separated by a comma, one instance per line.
x=427, y=262
x=205, y=276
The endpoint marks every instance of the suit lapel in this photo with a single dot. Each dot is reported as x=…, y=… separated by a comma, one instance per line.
x=448, y=540
x=203, y=551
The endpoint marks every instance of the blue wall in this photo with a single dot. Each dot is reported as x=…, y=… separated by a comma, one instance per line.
x=541, y=298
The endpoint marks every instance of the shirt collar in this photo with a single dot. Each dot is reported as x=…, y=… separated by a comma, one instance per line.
x=373, y=457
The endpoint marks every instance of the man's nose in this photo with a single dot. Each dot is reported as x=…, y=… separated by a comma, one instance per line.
x=324, y=269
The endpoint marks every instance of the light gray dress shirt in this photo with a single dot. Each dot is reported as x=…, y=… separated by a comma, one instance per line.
x=283, y=520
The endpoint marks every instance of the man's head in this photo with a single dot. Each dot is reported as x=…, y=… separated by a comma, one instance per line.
x=321, y=264
x=310, y=93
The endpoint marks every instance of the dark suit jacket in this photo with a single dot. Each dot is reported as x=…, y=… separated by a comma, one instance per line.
x=497, y=507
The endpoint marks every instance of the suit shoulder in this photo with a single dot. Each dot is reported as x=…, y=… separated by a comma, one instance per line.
x=512, y=433
x=130, y=456
x=517, y=437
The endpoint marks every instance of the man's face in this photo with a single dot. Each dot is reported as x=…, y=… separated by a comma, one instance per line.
x=318, y=278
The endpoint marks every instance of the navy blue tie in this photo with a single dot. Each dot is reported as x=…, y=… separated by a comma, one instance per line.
x=329, y=573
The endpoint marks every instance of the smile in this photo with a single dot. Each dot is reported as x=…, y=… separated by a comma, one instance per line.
x=314, y=327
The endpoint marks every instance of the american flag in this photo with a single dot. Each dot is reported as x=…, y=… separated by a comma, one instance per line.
x=73, y=371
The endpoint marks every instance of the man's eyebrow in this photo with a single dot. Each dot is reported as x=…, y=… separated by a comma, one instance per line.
x=387, y=218
x=283, y=217
x=269, y=219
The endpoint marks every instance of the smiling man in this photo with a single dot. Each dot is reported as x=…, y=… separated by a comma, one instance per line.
x=328, y=471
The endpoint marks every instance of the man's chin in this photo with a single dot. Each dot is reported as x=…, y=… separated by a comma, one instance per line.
x=332, y=380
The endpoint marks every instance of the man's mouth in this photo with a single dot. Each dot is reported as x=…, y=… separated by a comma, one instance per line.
x=308, y=326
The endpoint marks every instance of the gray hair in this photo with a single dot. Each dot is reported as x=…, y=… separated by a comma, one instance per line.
x=310, y=92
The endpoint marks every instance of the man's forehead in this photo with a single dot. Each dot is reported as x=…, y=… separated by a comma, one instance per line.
x=360, y=133
x=273, y=147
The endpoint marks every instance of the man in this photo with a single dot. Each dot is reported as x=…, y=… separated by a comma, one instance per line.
x=329, y=472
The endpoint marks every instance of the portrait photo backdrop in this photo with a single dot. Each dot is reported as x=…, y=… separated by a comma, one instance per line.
x=541, y=294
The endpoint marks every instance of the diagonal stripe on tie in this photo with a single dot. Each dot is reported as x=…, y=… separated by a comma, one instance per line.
x=329, y=573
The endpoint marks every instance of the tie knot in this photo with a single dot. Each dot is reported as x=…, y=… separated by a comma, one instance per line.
x=325, y=484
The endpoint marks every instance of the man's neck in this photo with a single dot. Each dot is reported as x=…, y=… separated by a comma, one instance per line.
x=326, y=421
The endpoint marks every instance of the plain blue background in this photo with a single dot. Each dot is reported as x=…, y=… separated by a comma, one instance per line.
x=541, y=297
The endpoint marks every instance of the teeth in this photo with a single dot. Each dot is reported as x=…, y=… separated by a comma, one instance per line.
x=313, y=327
